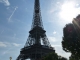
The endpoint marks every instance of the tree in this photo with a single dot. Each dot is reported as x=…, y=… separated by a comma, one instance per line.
x=53, y=56
x=73, y=57
x=71, y=38
x=61, y=58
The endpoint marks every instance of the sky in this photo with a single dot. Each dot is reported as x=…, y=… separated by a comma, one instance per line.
x=16, y=20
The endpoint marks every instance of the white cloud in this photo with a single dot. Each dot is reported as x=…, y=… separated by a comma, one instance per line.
x=17, y=45
x=60, y=51
x=52, y=10
x=2, y=44
x=58, y=3
x=56, y=45
x=54, y=32
x=6, y=2
x=52, y=39
x=8, y=44
x=9, y=19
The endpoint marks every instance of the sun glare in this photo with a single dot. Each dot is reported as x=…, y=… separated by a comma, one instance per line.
x=69, y=10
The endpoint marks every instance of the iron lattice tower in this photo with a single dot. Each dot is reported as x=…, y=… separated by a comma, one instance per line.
x=37, y=44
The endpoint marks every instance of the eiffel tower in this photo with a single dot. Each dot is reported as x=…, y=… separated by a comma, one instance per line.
x=37, y=45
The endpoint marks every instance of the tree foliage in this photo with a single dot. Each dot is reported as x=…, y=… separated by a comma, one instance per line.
x=74, y=57
x=71, y=38
x=53, y=56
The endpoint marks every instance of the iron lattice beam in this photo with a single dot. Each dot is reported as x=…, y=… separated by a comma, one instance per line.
x=37, y=44
x=37, y=19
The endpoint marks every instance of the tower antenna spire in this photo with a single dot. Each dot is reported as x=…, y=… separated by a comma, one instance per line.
x=37, y=19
